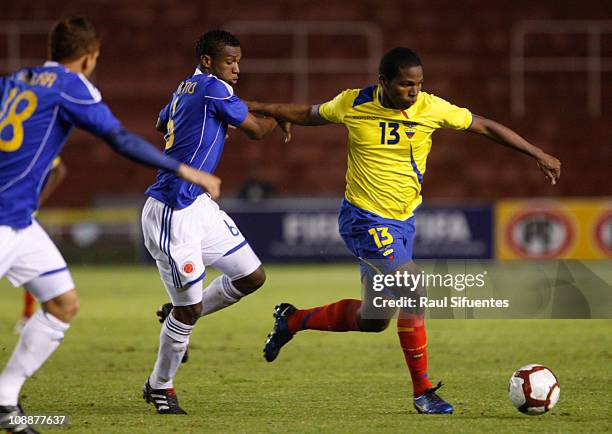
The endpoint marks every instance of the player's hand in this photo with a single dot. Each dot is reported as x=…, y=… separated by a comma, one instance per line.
x=209, y=182
x=551, y=167
x=230, y=127
x=286, y=129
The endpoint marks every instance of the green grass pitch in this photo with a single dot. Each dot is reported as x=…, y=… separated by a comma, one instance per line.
x=322, y=382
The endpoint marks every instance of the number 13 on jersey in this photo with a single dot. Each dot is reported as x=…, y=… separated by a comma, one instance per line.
x=389, y=136
x=381, y=236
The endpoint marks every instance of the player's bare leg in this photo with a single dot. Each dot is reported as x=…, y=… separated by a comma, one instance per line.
x=64, y=307
x=369, y=317
x=40, y=337
x=222, y=292
x=251, y=283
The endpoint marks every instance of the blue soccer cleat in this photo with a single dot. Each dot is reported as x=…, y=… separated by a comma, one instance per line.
x=430, y=403
x=280, y=333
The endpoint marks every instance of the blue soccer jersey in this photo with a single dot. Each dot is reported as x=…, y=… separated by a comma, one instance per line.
x=196, y=121
x=38, y=109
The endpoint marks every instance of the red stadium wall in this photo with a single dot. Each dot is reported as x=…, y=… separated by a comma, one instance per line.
x=465, y=47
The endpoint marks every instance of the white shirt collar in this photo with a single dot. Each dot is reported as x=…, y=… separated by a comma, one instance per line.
x=199, y=72
x=51, y=63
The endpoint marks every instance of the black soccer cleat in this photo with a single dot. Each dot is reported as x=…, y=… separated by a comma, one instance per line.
x=162, y=313
x=164, y=400
x=8, y=413
x=280, y=333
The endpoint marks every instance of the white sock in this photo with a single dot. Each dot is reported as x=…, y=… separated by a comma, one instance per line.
x=41, y=335
x=173, y=341
x=220, y=294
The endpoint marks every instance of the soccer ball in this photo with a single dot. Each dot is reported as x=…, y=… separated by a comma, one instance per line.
x=533, y=389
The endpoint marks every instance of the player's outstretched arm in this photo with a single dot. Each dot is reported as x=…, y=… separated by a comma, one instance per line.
x=299, y=114
x=499, y=133
x=257, y=128
x=137, y=149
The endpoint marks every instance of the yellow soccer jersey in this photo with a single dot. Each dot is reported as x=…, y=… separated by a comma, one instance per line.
x=388, y=148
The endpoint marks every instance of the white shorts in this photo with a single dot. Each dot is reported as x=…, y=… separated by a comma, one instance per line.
x=29, y=258
x=184, y=241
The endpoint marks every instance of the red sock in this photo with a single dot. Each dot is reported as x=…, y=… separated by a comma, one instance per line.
x=336, y=317
x=411, y=332
x=28, y=304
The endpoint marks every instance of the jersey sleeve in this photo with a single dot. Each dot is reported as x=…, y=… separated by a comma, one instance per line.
x=227, y=106
x=451, y=116
x=83, y=107
x=231, y=110
x=164, y=114
x=334, y=110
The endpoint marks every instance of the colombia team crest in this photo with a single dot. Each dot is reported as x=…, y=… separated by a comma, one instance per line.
x=188, y=267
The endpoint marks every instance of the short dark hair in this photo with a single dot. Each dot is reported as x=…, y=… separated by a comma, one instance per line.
x=395, y=59
x=72, y=37
x=212, y=43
